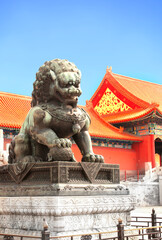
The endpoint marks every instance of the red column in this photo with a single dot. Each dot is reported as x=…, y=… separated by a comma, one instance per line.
x=152, y=150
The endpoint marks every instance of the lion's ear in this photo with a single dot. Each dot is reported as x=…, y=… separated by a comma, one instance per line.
x=53, y=75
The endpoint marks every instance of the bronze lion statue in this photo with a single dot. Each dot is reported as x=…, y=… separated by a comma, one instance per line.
x=54, y=118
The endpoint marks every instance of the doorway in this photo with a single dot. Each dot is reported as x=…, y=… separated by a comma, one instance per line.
x=158, y=152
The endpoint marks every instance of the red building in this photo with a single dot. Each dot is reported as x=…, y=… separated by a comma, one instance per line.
x=126, y=121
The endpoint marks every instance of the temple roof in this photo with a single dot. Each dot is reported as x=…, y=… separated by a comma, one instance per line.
x=146, y=91
x=99, y=128
x=131, y=115
x=119, y=98
x=14, y=109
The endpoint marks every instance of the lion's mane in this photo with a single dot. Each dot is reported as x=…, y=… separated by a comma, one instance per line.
x=41, y=85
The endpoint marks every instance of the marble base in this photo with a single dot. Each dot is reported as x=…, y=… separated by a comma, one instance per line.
x=67, y=213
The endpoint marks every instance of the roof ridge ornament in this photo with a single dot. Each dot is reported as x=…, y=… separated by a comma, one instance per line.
x=155, y=104
x=109, y=69
x=89, y=104
x=121, y=129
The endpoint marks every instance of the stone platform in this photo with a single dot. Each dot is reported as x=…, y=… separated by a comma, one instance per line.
x=41, y=179
x=72, y=197
x=65, y=214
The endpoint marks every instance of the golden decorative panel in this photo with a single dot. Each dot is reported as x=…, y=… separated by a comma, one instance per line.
x=110, y=103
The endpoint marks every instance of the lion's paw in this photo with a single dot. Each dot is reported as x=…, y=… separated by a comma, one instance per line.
x=93, y=158
x=62, y=142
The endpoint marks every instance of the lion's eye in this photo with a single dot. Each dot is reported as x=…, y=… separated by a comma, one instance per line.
x=70, y=82
x=77, y=83
x=62, y=84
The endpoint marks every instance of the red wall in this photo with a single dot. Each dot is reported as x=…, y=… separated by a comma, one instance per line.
x=145, y=151
x=127, y=158
x=6, y=141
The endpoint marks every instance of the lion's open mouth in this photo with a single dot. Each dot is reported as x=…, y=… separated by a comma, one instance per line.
x=68, y=100
x=72, y=102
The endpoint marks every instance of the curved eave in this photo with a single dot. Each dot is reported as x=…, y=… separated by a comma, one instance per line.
x=102, y=129
x=125, y=138
x=109, y=81
x=147, y=91
x=13, y=126
x=131, y=115
x=13, y=95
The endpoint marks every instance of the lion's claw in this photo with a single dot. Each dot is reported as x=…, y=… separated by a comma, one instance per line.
x=93, y=158
x=62, y=142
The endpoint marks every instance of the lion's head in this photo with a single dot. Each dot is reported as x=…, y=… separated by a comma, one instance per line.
x=56, y=79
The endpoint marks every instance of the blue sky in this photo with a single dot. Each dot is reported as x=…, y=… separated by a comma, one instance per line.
x=124, y=34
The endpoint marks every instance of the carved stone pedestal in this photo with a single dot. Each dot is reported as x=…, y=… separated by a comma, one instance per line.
x=38, y=178
x=88, y=212
x=68, y=208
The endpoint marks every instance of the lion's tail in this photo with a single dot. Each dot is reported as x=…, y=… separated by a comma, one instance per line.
x=11, y=155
